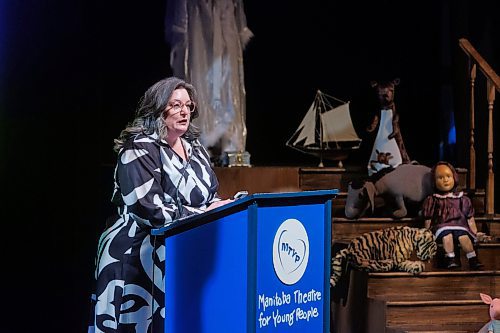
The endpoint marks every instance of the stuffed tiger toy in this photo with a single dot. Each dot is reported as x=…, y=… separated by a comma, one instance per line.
x=385, y=250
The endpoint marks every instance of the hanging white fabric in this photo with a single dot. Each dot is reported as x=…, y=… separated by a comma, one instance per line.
x=207, y=40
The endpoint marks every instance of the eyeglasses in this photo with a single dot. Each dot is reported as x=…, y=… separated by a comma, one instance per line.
x=178, y=106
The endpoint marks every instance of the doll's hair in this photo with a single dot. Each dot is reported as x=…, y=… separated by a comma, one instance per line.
x=453, y=171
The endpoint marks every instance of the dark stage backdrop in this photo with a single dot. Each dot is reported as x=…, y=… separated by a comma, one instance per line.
x=72, y=72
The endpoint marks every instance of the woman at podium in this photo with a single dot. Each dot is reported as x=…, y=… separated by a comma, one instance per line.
x=162, y=174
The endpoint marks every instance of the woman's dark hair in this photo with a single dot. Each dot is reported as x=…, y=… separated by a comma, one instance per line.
x=453, y=171
x=150, y=113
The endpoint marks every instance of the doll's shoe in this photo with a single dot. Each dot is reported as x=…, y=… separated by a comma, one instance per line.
x=474, y=264
x=451, y=263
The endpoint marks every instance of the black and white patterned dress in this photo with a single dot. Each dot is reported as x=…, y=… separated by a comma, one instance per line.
x=153, y=187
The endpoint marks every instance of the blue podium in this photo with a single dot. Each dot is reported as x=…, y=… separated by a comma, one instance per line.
x=259, y=264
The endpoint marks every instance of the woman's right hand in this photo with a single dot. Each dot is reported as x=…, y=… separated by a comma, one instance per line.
x=219, y=203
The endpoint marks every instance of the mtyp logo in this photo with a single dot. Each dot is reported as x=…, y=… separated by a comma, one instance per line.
x=290, y=251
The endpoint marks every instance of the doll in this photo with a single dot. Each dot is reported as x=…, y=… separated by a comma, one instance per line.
x=494, y=325
x=450, y=216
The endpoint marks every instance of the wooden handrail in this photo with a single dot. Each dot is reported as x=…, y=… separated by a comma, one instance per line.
x=483, y=65
x=492, y=84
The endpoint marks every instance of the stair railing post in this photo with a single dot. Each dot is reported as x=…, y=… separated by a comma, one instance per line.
x=490, y=190
x=472, y=150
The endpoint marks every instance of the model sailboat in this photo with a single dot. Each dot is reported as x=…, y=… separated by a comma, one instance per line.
x=326, y=130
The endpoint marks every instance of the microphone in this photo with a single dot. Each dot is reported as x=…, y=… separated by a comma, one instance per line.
x=240, y=195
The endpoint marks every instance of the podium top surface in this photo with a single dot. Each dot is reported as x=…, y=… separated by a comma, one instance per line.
x=262, y=199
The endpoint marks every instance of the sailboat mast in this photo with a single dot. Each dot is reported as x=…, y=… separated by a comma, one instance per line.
x=318, y=118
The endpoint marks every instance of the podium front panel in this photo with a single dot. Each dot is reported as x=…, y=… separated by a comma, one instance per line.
x=206, y=277
x=291, y=293
x=261, y=264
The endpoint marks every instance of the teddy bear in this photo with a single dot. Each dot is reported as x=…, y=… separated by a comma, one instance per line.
x=389, y=139
x=494, y=325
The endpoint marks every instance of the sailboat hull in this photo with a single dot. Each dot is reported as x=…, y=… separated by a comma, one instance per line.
x=338, y=154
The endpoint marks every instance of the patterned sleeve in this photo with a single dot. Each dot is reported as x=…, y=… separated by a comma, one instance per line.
x=467, y=207
x=427, y=207
x=213, y=183
x=139, y=177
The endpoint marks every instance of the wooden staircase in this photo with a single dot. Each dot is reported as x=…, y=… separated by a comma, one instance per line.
x=438, y=300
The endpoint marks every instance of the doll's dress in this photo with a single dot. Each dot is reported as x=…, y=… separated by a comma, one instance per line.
x=449, y=211
x=383, y=144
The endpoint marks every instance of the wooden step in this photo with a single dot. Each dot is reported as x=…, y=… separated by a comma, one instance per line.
x=386, y=316
x=489, y=224
x=257, y=179
x=434, y=329
x=344, y=228
x=327, y=178
x=488, y=254
x=315, y=178
x=338, y=204
x=471, y=316
x=451, y=328
x=430, y=301
x=434, y=286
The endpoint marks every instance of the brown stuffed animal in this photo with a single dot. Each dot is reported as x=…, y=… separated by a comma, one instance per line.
x=385, y=93
x=382, y=158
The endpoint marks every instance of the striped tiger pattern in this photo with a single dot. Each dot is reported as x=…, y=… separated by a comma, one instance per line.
x=386, y=250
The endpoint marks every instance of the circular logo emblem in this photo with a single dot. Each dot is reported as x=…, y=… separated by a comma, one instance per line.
x=290, y=251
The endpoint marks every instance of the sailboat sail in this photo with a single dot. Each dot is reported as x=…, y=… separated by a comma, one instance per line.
x=326, y=130
x=307, y=128
x=337, y=125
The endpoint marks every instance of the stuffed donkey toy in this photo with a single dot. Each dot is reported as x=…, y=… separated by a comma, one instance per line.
x=407, y=182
